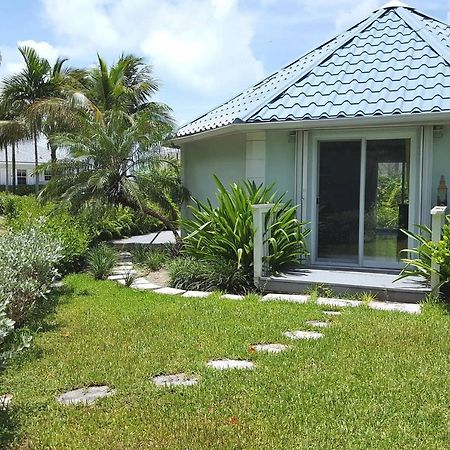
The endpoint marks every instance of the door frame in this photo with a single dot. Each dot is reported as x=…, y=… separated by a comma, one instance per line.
x=415, y=182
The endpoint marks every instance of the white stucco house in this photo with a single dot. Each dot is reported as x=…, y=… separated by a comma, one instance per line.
x=24, y=163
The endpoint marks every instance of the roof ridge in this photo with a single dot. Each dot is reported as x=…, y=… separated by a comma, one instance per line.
x=410, y=19
x=307, y=69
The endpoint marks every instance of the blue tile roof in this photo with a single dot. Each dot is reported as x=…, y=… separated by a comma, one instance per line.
x=395, y=62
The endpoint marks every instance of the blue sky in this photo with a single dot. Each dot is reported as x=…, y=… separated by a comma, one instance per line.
x=203, y=51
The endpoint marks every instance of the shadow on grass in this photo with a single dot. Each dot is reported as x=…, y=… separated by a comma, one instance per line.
x=41, y=319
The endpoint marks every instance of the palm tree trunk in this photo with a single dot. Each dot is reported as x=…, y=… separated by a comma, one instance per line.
x=36, y=162
x=14, y=172
x=53, y=149
x=7, y=169
x=168, y=224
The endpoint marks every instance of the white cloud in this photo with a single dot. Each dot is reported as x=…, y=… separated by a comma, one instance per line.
x=201, y=44
x=44, y=49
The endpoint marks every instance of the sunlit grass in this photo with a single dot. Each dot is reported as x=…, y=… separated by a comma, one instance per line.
x=377, y=380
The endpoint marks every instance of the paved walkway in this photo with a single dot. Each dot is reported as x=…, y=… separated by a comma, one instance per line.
x=164, y=237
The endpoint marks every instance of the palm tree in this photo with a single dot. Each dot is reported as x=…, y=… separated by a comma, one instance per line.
x=102, y=161
x=12, y=131
x=38, y=80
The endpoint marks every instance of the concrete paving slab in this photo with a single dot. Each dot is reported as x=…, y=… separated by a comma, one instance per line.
x=300, y=334
x=225, y=364
x=338, y=302
x=269, y=348
x=177, y=379
x=146, y=286
x=317, y=323
x=170, y=291
x=86, y=396
x=232, y=297
x=332, y=313
x=286, y=298
x=5, y=400
x=196, y=294
x=409, y=308
x=116, y=277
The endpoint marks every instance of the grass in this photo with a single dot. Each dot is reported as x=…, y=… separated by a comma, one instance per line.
x=377, y=380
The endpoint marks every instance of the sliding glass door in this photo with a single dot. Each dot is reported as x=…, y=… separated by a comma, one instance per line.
x=362, y=201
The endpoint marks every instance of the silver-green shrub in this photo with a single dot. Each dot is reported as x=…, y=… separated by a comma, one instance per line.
x=28, y=261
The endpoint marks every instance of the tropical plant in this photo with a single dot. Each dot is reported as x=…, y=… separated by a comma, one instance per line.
x=420, y=261
x=225, y=232
x=37, y=80
x=192, y=274
x=102, y=163
x=101, y=261
x=150, y=258
x=27, y=268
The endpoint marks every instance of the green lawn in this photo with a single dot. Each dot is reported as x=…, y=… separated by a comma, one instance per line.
x=377, y=380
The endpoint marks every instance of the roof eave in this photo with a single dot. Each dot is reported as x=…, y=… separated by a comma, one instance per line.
x=436, y=118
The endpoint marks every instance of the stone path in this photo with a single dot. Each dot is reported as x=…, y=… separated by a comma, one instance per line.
x=177, y=379
x=300, y=334
x=224, y=364
x=5, y=400
x=268, y=348
x=86, y=396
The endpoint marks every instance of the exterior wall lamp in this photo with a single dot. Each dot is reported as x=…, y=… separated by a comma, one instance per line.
x=442, y=192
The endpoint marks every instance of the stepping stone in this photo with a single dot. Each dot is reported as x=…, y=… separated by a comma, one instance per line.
x=170, y=291
x=86, y=396
x=317, y=323
x=337, y=302
x=5, y=401
x=196, y=294
x=116, y=277
x=145, y=286
x=232, y=297
x=286, y=298
x=225, y=364
x=332, y=313
x=57, y=284
x=140, y=281
x=125, y=255
x=124, y=264
x=178, y=379
x=119, y=271
x=296, y=335
x=269, y=348
x=410, y=308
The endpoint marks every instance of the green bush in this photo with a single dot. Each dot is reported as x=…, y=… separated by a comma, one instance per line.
x=101, y=261
x=225, y=232
x=192, y=274
x=150, y=258
x=106, y=222
x=426, y=250
x=28, y=266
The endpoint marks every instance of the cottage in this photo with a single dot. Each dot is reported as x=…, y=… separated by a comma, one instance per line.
x=357, y=132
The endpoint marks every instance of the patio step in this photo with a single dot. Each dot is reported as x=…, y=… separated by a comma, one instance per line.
x=381, y=285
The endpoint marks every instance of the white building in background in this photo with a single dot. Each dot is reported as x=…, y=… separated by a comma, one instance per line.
x=24, y=163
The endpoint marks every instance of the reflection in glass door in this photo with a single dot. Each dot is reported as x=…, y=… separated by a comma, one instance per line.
x=363, y=202
x=338, y=201
x=386, y=201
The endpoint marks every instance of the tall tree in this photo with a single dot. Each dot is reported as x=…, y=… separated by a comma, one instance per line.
x=102, y=164
x=13, y=130
x=37, y=80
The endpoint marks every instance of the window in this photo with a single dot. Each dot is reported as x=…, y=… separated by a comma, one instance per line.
x=21, y=176
x=47, y=176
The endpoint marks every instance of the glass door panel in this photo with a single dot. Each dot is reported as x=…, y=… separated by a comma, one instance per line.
x=338, y=201
x=386, y=201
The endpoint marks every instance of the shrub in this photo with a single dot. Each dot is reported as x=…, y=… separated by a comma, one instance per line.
x=101, y=260
x=150, y=258
x=193, y=274
x=225, y=232
x=27, y=267
x=426, y=250
x=24, y=212
x=7, y=347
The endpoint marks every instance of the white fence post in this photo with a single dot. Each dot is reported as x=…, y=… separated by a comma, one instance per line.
x=437, y=222
x=259, y=213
